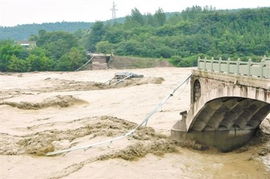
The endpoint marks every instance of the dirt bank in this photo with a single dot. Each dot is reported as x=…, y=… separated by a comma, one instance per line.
x=46, y=141
x=57, y=101
x=72, y=85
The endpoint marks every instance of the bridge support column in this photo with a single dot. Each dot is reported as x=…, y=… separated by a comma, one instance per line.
x=224, y=141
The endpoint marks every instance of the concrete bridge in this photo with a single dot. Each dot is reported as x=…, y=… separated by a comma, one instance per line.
x=229, y=100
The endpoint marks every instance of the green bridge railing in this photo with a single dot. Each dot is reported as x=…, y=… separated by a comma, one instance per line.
x=252, y=69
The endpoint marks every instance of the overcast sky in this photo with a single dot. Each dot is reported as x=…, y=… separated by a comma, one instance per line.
x=13, y=12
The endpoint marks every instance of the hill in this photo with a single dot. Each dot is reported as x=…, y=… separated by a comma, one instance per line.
x=184, y=36
x=23, y=32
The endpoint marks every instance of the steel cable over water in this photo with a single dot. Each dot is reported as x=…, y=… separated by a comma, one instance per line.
x=144, y=122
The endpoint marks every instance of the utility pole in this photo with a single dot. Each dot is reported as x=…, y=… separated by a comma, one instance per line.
x=114, y=11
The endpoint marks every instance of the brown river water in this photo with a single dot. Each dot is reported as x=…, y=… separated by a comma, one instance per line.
x=48, y=111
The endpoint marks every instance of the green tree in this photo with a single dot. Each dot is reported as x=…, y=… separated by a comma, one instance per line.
x=96, y=35
x=150, y=19
x=136, y=17
x=104, y=47
x=17, y=65
x=72, y=60
x=160, y=17
x=40, y=63
x=56, y=44
x=10, y=51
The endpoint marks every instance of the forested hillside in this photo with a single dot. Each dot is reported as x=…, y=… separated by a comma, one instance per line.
x=184, y=36
x=23, y=32
x=54, y=51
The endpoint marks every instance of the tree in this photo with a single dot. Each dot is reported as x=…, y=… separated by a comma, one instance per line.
x=56, y=44
x=9, y=50
x=131, y=47
x=17, y=65
x=160, y=17
x=136, y=17
x=115, y=35
x=40, y=63
x=72, y=60
x=96, y=35
x=104, y=47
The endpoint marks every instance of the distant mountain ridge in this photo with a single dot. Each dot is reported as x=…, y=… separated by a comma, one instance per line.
x=23, y=32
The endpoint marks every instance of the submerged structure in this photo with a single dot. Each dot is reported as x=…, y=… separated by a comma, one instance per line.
x=229, y=100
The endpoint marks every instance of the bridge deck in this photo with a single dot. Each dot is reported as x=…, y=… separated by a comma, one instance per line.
x=251, y=69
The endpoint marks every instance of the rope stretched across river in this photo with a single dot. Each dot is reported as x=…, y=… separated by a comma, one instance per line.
x=144, y=122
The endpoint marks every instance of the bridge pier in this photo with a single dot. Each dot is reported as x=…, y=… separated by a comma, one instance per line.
x=224, y=141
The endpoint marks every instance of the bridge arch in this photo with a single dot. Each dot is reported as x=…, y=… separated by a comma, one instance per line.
x=225, y=123
x=230, y=113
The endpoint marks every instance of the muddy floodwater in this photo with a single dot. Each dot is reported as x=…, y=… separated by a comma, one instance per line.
x=49, y=111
